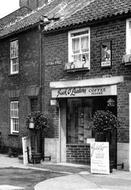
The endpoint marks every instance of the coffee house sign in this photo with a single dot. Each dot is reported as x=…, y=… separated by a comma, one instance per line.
x=84, y=91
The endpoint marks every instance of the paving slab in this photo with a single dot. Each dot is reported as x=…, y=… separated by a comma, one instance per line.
x=118, y=180
x=77, y=176
x=70, y=182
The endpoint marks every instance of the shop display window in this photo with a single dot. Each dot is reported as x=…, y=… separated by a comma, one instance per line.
x=79, y=120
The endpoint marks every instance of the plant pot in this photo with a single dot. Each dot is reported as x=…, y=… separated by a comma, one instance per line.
x=100, y=137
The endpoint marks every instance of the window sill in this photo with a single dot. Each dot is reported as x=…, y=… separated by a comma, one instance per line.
x=15, y=74
x=106, y=67
x=77, y=70
x=13, y=134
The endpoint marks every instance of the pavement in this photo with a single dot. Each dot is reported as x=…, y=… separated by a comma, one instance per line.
x=76, y=177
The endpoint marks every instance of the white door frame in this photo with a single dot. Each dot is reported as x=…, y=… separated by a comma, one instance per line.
x=130, y=131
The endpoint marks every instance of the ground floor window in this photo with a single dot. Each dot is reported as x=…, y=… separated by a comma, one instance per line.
x=80, y=113
x=14, y=116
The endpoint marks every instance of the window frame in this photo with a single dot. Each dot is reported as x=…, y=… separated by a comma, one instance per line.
x=70, y=52
x=12, y=72
x=128, y=37
x=12, y=130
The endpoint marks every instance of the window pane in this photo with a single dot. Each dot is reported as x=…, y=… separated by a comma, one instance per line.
x=85, y=57
x=76, y=45
x=14, y=116
x=84, y=44
x=79, y=120
x=128, y=44
x=14, y=109
x=15, y=124
x=15, y=65
x=77, y=58
x=14, y=49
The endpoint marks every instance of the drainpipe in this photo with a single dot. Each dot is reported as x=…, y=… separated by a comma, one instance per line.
x=40, y=64
x=42, y=23
x=41, y=26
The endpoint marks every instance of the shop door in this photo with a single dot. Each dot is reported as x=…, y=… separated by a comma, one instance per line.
x=79, y=121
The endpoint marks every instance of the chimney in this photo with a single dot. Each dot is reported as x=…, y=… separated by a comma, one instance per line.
x=32, y=4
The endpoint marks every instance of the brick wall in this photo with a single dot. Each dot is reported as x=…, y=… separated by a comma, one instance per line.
x=56, y=46
x=123, y=110
x=28, y=76
x=79, y=154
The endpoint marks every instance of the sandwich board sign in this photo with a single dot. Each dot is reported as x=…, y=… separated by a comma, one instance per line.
x=100, y=157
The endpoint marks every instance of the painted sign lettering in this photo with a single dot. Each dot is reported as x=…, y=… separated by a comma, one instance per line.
x=100, y=157
x=84, y=91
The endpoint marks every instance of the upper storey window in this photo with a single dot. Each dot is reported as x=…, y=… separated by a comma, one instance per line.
x=14, y=59
x=79, y=49
x=128, y=37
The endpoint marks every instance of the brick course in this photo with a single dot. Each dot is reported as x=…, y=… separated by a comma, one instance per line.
x=79, y=154
x=56, y=45
x=28, y=76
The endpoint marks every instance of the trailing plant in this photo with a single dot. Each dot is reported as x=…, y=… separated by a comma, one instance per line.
x=104, y=120
x=39, y=119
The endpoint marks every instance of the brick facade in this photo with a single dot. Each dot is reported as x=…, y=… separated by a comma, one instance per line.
x=40, y=65
x=78, y=153
x=16, y=87
x=56, y=46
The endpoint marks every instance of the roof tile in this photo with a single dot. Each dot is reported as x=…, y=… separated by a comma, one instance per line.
x=71, y=12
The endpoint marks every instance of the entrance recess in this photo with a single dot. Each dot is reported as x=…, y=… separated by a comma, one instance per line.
x=79, y=126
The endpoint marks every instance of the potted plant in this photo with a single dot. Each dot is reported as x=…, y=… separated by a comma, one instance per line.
x=37, y=123
x=105, y=125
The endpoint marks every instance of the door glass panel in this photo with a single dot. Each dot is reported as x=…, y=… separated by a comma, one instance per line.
x=79, y=120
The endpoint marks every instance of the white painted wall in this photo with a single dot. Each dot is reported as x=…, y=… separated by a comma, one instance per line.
x=123, y=154
x=51, y=148
x=129, y=131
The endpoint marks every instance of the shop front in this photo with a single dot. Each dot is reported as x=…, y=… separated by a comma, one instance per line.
x=78, y=101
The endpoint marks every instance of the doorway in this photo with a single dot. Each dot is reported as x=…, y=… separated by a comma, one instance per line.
x=36, y=144
x=79, y=122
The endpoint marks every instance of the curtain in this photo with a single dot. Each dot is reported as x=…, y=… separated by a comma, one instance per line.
x=76, y=45
x=84, y=44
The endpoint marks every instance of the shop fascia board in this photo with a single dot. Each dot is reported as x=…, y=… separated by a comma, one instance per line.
x=87, y=82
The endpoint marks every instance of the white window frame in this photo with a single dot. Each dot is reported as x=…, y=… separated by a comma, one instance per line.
x=14, y=56
x=14, y=117
x=70, y=43
x=128, y=37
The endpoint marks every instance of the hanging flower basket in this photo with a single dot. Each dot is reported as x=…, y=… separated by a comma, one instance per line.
x=37, y=121
x=104, y=121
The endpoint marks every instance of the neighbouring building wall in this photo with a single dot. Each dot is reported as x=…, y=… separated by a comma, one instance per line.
x=21, y=86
